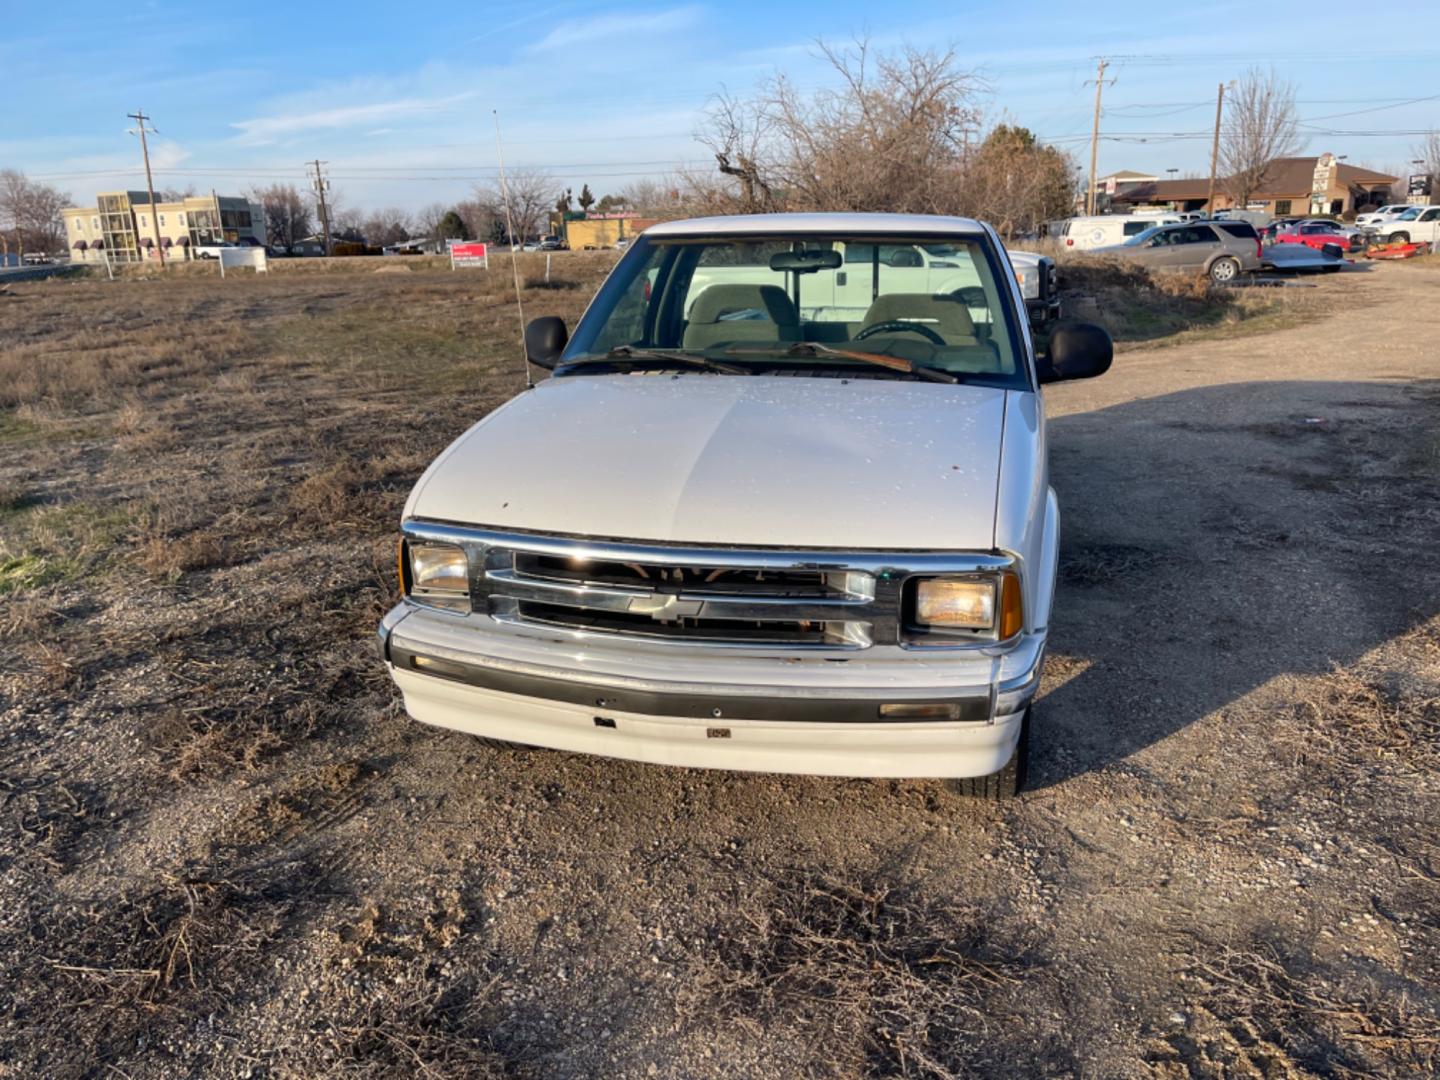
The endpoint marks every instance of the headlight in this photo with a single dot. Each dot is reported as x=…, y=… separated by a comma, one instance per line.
x=435, y=574
x=981, y=606
x=968, y=605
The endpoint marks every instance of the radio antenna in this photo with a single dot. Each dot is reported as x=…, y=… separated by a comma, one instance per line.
x=510, y=230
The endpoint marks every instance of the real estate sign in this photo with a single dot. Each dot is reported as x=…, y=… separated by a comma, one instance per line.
x=469, y=254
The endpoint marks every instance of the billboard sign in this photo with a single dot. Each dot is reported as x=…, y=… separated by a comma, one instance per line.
x=1420, y=185
x=469, y=254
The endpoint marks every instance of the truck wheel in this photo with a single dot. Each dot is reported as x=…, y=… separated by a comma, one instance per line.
x=1398, y=238
x=1224, y=270
x=1009, y=781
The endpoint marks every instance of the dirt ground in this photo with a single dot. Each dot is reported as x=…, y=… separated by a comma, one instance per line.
x=225, y=851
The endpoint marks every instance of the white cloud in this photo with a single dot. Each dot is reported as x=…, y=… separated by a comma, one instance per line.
x=268, y=129
x=618, y=29
x=167, y=155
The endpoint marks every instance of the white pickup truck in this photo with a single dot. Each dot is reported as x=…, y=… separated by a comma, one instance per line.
x=1419, y=224
x=759, y=517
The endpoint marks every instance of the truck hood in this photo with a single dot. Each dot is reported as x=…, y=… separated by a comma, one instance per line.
x=748, y=460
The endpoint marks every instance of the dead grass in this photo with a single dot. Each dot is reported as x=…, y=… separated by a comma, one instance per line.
x=111, y=973
x=166, y=558
x=1259, y=1013
x=1136, y=305
x=877, y=978
x=1367, y=715
x=41, y=545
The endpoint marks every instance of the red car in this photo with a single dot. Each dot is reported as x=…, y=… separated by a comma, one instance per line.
x=1317, y=234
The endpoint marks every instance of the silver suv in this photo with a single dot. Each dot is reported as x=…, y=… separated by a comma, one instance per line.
x=1222, y=249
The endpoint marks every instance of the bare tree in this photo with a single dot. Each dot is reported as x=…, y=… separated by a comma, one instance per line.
x=532, y=195
x=345, y=221
x=30, y=214
x=1015, y=182
x=288, y=214
x=1260, y=125
x=427, y=221
x=891, y=137
x=738, y=134
x=651, y=198
x=484, y=220
x=391, y=225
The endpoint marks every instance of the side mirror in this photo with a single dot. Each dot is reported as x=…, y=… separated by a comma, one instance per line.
x=545, y=340
x=1077, y=351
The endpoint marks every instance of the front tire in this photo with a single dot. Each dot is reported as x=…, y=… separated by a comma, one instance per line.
x=1224, y=270
x=1004, y=785
x=1398, y=238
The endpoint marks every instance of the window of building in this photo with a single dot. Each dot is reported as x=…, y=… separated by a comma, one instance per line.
x=162, y=220
x=1282, y=207
x=181, y=217
x=95, y=223
x=144, y=220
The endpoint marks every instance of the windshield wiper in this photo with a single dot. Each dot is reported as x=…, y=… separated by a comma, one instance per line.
x=812, y=348
x=632, y=352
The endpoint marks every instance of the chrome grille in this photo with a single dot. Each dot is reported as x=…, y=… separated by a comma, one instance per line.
x=685, y=595
x=674, y=598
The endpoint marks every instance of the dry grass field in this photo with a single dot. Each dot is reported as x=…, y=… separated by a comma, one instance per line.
x=225, y=851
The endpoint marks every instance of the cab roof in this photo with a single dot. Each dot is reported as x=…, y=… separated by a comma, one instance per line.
x=781, y=224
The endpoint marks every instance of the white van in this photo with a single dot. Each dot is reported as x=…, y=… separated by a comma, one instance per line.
x=1105, y=230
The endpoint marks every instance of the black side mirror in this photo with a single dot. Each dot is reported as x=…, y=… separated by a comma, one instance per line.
x=1077, y=351
x=545, y=340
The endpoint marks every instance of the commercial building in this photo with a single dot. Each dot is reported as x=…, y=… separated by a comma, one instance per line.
x=584, y=231
x=123, y=224
x=1290, y=186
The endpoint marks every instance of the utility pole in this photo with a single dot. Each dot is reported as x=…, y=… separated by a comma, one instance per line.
x=320, y=184
x=1215, y=149
x=1095, y=132
x=139, y=117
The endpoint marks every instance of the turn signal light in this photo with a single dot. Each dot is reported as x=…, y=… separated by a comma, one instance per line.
x=1012, y=607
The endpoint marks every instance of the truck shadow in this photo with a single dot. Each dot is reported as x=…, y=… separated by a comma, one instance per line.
x=1216, y=538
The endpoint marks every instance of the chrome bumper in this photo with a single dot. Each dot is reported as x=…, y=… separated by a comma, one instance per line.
x=835, y=703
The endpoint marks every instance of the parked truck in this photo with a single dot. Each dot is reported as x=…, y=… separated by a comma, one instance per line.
x=781, y=506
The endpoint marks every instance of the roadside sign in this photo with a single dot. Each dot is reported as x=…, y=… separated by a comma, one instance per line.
x=1420, y=184
x=470, y=254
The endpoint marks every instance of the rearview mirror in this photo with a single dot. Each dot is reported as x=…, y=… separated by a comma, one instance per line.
x=545, y=340
x=1077, y=351
x=809, y=261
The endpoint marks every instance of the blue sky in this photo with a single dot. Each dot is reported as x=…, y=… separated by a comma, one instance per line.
x=398, y=97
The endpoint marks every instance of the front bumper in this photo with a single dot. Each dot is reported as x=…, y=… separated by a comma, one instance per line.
x=1042, y=311
x=756, y=713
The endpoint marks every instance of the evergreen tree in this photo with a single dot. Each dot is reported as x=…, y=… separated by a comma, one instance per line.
x=452, y=227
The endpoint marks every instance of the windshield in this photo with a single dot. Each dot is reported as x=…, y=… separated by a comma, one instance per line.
x=1409, y=215
x=774, y=302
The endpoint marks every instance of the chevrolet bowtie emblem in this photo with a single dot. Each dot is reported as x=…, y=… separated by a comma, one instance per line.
x=664, y=608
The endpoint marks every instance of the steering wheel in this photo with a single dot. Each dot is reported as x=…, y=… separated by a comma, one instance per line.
x=900, y=326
